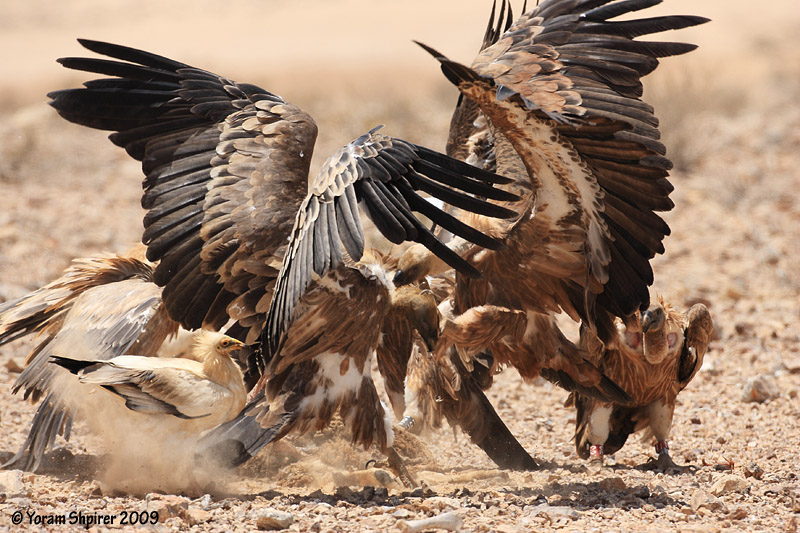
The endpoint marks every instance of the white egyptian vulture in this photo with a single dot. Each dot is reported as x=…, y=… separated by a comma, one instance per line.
x=203, y=391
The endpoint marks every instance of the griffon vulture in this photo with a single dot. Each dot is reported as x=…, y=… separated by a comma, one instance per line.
x=555, y=103
x=101, y=307
x=654, y=360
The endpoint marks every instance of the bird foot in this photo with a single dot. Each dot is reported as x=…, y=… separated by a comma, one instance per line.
x=397, y=465
x=664, y=463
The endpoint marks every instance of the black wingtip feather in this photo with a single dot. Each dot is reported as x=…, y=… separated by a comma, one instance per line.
x=134, y=55
x=73, y=365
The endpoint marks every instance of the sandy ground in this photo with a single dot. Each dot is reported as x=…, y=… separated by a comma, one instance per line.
x=730, y=119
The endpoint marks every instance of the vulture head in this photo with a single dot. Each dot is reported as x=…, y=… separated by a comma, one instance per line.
x=419, y=307
x=415, y=264
x=214, y=343
x=662, y=332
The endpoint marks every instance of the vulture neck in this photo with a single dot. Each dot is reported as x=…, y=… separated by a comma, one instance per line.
x=221, y=369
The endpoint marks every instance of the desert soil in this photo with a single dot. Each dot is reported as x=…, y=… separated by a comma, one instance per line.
x=731, y=122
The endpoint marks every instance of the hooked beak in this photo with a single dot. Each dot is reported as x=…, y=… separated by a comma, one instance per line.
x=431, y=339
x=650, y=318
x=399, y=278
x=234, y=345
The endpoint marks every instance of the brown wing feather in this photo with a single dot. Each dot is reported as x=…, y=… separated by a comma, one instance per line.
x=226, y=167
x=383, y=173
x=99, y=308
x=564, y=84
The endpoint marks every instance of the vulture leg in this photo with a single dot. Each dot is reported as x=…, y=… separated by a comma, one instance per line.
x=597, y=431
x=660, y=424
x=396, y=464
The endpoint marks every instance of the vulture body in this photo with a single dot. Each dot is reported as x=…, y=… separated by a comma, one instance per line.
x=240, y=232
x=101, y=307
x=203, y=391
x=554, y=102
x=654, y=361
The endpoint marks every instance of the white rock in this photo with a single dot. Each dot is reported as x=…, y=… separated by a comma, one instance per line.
x=272, y=519
x=11, y=483
x=760, y=389
x=728, y=483
x=555, y=511
x=450, y=521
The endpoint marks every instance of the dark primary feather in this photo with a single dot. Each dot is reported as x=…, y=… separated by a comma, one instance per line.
x=200, y=138
x=226, y=168
x=383, y=173
x=567, y=62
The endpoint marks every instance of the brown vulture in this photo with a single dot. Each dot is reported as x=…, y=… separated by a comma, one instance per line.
x=239, y=231
x=653, y=359
x=101, y=307
x=554, y=102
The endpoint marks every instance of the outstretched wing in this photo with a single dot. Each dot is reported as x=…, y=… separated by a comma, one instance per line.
x=226, y=168
x=383, y=174
x=563, y=85
x=100, y=307
x=469, y=138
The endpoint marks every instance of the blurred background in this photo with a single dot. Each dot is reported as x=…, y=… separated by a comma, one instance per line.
x=729, y=110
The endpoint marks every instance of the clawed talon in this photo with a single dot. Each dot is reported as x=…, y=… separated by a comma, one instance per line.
x=398, y=466
x=374, y=463
x=664, y=463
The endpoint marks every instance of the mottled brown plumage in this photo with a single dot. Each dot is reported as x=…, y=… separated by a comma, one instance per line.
x=101, y=307
x=654, y=363
x=562, y=87
x=554, y=102
x=241, y=233
x=226, y=168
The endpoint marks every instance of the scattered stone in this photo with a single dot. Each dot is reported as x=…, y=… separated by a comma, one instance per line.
x=441, y=503
x=739, y=513
x=11, y=483
x=13, y=367
x=402, y=513
x=196, y=515
x=702, y=500
x=554, y=512
x=728, y=483
x=450, y=521
x=760, y=389
x=168, y=506
x=753, y=470
x=641, y=492
x=273, y=520
x=612, y=484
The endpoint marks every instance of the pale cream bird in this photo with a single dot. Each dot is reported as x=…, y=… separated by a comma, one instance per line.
x=206, y=390
x=654, y=361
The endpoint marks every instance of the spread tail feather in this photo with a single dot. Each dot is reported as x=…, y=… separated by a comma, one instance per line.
x=237, y=441
x=52, y=418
